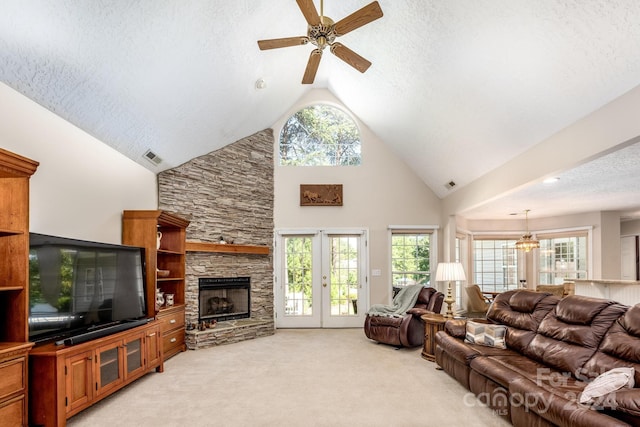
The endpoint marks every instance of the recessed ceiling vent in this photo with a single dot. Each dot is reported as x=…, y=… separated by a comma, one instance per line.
x=152, y=157
x=449, y=185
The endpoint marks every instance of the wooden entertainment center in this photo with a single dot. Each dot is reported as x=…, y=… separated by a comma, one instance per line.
x=47, y=384
x=85, y=373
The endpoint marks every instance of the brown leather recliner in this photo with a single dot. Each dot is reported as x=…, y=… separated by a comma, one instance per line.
x=408, y=330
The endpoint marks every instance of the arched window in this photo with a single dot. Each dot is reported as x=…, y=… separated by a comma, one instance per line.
x=320, y=135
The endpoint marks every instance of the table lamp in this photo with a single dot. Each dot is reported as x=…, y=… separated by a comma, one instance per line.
x=449, y=272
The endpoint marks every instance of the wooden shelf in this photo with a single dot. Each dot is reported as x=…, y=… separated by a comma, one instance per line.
x=168, y=279
x=226, y=248
x=140, y=228
x=15, y=173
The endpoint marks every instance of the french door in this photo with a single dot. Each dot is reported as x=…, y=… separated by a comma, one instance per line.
x=321, y=279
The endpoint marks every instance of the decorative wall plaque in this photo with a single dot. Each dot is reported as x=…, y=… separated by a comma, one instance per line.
x=320, y=194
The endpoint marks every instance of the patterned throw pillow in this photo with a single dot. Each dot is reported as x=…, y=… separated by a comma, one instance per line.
x=607, y=383
x=486, y=334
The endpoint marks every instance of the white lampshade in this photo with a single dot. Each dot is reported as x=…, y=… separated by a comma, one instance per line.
x=450, y=271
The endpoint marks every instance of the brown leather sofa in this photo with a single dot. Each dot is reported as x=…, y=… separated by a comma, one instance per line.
x=408, y=330
x=554, y=348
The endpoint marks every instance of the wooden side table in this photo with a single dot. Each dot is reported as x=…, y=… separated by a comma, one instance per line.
x=433, y=322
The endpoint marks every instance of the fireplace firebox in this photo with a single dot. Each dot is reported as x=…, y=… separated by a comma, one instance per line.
x=224, y=298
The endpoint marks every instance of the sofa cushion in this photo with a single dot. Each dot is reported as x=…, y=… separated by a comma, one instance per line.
x=502, y=369
x=558, y=407
x=627, y=401
x=619, y=348
x=631, y=321
x=525, y=301
x=486, y=334
x=564, y=342
x=521, y=311
x=596, y=391
x=579, y=310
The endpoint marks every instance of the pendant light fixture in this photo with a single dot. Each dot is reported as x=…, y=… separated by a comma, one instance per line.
x=527, y=242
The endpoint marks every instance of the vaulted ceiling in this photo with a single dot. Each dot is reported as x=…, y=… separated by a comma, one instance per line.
x=457, y=88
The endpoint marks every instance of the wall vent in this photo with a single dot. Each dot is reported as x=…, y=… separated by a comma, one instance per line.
x=152, y=157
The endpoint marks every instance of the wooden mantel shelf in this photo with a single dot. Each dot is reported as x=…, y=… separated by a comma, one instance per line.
x=192, y=246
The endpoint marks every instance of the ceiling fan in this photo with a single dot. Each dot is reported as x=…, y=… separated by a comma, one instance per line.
x=322, y=32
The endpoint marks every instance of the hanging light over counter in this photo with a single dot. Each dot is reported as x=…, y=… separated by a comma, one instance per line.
x=527, y=242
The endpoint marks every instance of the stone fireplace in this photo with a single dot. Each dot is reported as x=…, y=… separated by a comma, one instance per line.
x=224, y=298
x=227, y=193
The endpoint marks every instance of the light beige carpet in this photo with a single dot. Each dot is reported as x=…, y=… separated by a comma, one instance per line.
x=297, y=377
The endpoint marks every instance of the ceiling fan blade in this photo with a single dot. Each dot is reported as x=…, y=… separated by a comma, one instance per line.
x=284, y=42
x=350, y=57
x=312, y=67
x=309, y=11
x=357, y=19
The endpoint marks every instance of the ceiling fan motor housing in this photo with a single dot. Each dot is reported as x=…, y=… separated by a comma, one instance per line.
x=322, y=34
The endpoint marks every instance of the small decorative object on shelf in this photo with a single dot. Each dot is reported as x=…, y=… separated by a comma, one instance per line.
x=158, y=239
x=159, y=299
x=169, y=300
x=163, y=273
x=222, y=241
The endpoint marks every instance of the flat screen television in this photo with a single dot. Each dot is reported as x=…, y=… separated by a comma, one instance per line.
x=81, y=290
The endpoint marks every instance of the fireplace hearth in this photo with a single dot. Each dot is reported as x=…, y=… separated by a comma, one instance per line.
x=224, y=298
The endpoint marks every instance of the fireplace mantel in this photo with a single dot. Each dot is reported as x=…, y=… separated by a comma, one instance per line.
x=194, y=246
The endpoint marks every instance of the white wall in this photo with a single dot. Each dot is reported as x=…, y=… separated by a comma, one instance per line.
x=82, y=185
x=613, y=126
x=630, y=228
x=605, y=237
x=380, y=192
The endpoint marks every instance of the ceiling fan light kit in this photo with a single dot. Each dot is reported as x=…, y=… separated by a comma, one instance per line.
x=322, y=32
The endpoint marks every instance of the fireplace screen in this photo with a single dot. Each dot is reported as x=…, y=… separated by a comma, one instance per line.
x=224, y=298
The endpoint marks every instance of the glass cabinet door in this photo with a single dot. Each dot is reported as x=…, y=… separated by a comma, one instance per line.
x=134, y=356
x=110, y=370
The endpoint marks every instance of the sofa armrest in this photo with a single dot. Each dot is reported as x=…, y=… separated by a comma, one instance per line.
x=625, y=400
x=456, y=327
x=417, y=311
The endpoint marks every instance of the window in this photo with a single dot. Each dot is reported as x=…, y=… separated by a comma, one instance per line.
x=563, y=256
x=495, y=264
x=320, y=135
x=410, y=258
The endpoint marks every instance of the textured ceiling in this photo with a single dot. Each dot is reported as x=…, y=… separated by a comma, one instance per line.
x=457, y=88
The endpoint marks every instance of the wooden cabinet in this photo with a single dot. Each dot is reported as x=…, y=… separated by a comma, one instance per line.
x=109, y=371
x=143, y=228
x=13, y=383
x=78, y=370
x=172, y=326
x=15, y=172
x=67, y=379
